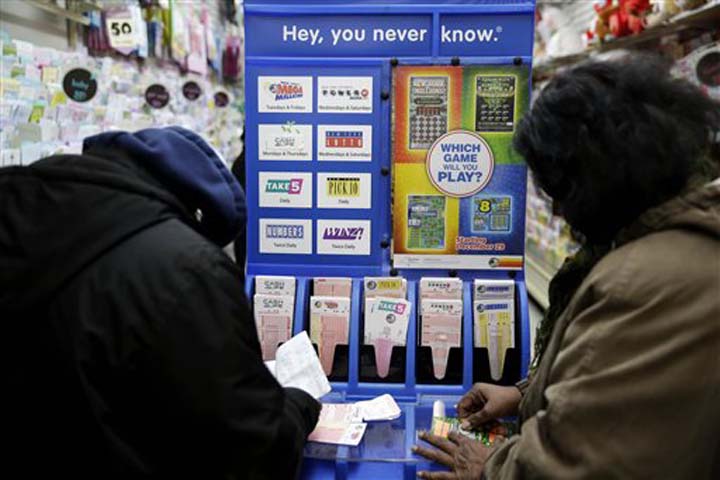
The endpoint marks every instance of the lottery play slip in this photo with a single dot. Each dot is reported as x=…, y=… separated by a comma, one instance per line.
x=329, y=327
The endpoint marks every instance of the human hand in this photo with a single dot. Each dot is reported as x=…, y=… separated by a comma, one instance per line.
x=485, y=402
x=463, y=456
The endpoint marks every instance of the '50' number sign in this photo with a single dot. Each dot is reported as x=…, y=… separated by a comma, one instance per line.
x=121, y=32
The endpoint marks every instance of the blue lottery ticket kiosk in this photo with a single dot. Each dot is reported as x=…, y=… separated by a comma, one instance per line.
x=378, y=143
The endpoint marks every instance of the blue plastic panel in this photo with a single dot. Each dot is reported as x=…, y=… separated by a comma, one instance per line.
x=315, y=263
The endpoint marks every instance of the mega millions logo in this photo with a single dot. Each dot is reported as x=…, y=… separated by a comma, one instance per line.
x=343, y=187
x=279, y=230
x=286, y=90
x=292, y=186
x=344, y=139
x=343, y=233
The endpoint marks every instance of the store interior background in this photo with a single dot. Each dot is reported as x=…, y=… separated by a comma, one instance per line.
x=41, y=38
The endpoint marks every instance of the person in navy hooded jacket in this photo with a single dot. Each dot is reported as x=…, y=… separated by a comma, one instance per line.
x=130, y=346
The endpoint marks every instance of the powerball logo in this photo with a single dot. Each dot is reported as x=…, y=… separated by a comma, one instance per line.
x=291, y=187
x=343, y=139
x=286, y=90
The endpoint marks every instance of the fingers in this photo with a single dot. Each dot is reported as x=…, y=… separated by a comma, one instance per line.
x=476, y=420
x=442, y=443
x=457, y=438
x=437, y=475
x=435, y=455
x=472, y=401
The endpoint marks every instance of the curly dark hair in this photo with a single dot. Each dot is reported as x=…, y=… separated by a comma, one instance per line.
x=609, y=139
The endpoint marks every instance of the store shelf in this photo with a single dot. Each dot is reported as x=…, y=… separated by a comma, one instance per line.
x=537, y=278
x=73, y=11
x=704, y=18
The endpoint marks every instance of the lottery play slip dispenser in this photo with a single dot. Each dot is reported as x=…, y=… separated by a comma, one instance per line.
x=298, y=53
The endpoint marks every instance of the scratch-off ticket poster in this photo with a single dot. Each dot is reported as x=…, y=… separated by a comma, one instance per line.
x=458, y=186
x=428, y=110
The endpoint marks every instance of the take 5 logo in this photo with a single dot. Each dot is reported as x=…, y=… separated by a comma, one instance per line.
x=291, y=187
x=285, y=189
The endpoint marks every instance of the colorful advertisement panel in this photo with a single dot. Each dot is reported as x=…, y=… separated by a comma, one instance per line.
x=458, y=186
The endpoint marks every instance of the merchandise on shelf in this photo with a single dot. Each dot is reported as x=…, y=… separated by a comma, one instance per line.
x=548, y=237
x=52, y=99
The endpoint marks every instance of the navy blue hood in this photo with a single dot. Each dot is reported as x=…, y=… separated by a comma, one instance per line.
x=191, y=169
x=62, y=212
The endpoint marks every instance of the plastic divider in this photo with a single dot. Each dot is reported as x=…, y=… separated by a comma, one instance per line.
x=469, y=334
x=524, y=328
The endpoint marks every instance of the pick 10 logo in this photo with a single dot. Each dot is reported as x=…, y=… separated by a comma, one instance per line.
x=460, y=163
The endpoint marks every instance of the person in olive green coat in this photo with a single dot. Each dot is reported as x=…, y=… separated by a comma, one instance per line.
x=626, y=380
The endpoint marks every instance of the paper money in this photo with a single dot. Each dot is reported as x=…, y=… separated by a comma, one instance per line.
x=494, y=322
x=386, y=325
x=329, y=326
x=441, y=327
x=273, y=320
x=332, y=287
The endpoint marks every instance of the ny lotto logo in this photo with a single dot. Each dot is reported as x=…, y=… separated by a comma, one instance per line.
x=291, y=187
x=343, y=233
x=343, y=139
x=286, y=90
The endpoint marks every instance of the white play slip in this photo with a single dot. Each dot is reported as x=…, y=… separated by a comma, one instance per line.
x=494, y=324
x=441, y=329
x=380, y=408
x=441, y=288
x=273, y=320
x=297, y=365
x=275, y=285
x=329, y=326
